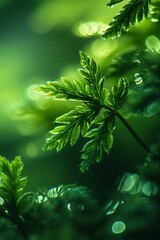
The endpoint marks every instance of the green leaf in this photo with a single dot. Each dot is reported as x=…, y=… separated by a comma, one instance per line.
x=108, y=142
x=12, y=184
x=102, y=140
x=74, y=123
x=118, y=94
x=134, y=11
x=92, y=74
x=65, y=90
x=75, y=133
x=79, y=121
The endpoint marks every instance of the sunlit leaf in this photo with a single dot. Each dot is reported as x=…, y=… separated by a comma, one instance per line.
x=73, y=123
x=12, y=186
x=118, y=94
x=131, y=13
x=102, y=141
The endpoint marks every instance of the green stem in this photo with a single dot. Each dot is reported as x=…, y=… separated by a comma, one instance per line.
x=130, y=129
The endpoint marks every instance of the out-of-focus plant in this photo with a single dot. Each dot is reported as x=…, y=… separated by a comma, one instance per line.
x=69, y=211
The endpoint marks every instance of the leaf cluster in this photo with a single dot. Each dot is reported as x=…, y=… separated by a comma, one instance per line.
x=83, y=120
x=67, y=211
x=141, y=67
x=132, y=12
x=12, y=184
x=69, y=207
x=14, y=203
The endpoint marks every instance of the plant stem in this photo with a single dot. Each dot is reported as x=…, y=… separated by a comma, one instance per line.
x=130, y=129
x=134, y=134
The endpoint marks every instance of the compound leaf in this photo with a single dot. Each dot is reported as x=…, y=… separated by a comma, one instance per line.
x=12, y=184
x=74, y=123
x=118, y=94
x=92, y=91
x=65, y=90
x=131, y=13
x=92, y=74
x=101, y=141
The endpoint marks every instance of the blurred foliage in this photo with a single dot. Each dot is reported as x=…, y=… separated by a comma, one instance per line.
x=40, y=41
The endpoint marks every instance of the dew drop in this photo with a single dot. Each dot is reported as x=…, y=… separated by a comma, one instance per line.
x=52, y=193
x=136, y=61
x=112, y=206
x=154, y=19
x=137, y=75
x=153, y=43
x=118, y=227
x=75, y=206
x=149, y=189
x=40, y=198
x=152, y=109
x=138, y=80
x=1, y=201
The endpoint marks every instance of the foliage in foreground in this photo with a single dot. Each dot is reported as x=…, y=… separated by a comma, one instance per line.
x=69, y=211
x=63, y=212
x=132, y=12
x=83, y=120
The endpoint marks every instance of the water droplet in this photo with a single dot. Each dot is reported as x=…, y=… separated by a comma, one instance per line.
x=130, y=183
x=118, y=227
x=127, y=182
x=1, y=201
x=137, y=75
x=112, y=206
x=152, y=109
x=75, y=206
x=154, y=19
x=45, y=199
x=138, y=80
x=40, y=199
x=52, y=193
x=149, y=189
x=153, y=43
x=136, y=61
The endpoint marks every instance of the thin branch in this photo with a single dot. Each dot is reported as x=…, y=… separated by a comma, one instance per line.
x=130, y=129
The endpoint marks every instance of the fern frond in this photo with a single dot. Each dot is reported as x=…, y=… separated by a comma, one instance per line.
x=67, y=90
x=73, y=124
x=102, y=141
x=118, y=94
x=16, y=202
x=92, y=74
x=125, y=62
x=131, y=13
x=92, y=91
x=12, y=184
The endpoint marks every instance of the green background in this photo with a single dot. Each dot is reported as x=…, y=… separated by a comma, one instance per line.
x=39, y=42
